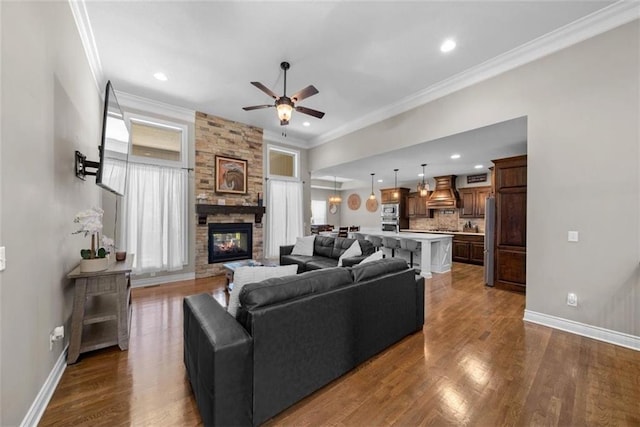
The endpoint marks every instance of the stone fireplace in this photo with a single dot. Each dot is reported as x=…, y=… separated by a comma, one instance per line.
x=215, y=136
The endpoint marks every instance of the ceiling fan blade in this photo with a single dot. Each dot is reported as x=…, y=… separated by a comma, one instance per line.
x=257, y=107
x=311, y=112
x=304, y=93
x=265, y=89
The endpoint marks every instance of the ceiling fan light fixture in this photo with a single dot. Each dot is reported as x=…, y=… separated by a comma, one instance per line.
x=284, y=108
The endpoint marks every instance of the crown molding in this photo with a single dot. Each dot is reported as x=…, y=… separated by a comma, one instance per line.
x=81, y=17
x=135, y=102
x=275, y=138
x=584, y=28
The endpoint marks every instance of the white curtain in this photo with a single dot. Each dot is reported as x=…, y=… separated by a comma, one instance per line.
x=154, y=212
x=284, y=215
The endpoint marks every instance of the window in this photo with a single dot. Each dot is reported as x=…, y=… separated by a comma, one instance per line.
x=154, y=207
x=318, y=212
x=282, y=163
x=158, y=142
x=284, y=200
x=284, y=215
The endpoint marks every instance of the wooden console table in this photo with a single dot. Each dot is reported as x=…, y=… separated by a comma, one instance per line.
x=101, y=309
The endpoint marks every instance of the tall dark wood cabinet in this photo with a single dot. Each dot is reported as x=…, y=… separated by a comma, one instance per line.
x=510, y=177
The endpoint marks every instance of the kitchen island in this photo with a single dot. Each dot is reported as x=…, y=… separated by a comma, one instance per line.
x=435, y=253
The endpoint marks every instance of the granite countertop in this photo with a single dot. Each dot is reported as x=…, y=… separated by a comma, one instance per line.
x=410, y=230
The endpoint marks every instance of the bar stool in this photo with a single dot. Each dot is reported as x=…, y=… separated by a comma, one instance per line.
x=391, y=243
x=375, y=241
x=411, y=246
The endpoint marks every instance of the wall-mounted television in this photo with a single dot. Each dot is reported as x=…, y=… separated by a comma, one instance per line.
x=114, y=146
x=111, y=169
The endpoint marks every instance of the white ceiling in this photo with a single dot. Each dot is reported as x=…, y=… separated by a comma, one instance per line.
x=477, y=147
x=362, y=56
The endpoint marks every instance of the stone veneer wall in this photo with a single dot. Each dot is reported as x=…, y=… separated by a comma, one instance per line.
x=217, y=136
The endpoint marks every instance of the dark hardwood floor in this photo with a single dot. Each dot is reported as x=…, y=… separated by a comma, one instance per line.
x=475, y=363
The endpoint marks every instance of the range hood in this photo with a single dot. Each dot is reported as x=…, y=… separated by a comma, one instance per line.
x=445, y=196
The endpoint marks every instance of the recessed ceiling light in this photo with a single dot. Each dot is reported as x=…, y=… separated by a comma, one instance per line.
x=455, y=156
x=379, y=180
x=160, y=76
x=306, y=124
x=420, y=174
x=478, y=166
x=448, y=45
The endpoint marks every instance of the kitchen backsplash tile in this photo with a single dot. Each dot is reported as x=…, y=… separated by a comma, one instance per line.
x=445, y=220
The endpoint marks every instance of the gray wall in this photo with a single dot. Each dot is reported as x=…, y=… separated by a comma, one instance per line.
x=50, y=107
x=582, y=109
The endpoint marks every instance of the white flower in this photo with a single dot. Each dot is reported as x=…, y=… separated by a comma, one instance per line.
x=108, y=243
x=90, y=221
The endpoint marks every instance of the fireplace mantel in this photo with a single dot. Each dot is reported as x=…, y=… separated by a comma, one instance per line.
x=203, y=210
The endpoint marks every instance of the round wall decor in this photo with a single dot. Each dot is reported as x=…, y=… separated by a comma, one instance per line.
x=372, y=205
x=353, y=201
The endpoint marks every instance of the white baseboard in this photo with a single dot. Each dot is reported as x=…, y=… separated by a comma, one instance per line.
x=161, y=280
x=595, y=332
x=46, y=392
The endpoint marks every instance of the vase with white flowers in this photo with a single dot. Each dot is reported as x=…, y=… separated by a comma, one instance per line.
x=96, y=257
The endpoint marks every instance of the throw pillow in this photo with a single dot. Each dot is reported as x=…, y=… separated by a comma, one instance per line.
x=354, y=250
x=373, y=257
x=304, y=245
x=247, y=274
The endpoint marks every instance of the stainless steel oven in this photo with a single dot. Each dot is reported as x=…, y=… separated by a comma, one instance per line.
x=391, y=226
x=391, y=210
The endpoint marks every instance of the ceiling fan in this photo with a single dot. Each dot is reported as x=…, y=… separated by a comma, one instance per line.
x=284, y=104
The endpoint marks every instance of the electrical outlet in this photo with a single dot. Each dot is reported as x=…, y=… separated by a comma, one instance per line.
x=56, y=335
x=3, y=261
x=572, y=299
x=572, y=236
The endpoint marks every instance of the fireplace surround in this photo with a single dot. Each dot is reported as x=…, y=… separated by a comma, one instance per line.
x=230, y=241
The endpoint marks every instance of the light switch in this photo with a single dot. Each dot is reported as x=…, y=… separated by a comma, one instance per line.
x=573, y=236
x=3, y=262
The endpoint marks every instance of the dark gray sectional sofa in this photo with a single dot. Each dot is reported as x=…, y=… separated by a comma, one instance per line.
x=293, y=335
x=326, y=252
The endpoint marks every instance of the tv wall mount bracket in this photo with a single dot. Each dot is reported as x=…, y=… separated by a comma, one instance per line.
x=82, y=166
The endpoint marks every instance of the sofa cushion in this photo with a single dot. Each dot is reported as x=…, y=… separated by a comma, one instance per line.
x=373, y=257
x=287, y=288
x=353, y=251
x=299, y=260
x=340, y=245
x=304, y=246
x=362, y=272
x=366, y=247
x=248, y=274
x=323, y=246
x=320, y=262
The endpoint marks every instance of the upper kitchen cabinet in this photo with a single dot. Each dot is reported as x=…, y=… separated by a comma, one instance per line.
x=393, y=195
x=417, y=206
x=473, y=200
x=511, y=223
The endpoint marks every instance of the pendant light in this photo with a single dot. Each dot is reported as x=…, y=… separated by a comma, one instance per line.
x=396, y=194
x=372, y=196
x=423, y=187
x=335, y=199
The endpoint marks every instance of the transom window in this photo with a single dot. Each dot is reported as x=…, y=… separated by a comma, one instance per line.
x=282, y=162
